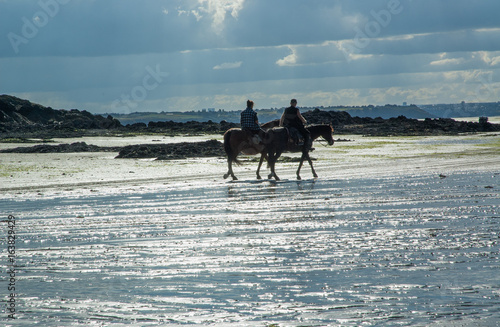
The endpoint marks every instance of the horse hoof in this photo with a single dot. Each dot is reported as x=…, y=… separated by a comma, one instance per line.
x=226, y=176
x=269, y=176
x=234, y=178
x=258, y=177
x=299, y=178
x=315, y=176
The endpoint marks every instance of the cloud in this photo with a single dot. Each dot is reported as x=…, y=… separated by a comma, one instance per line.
x=219, y=9
x=469, y=76
x=117, y=27
x=289, y=60
x=113, y=27
x=228, y=65
x=313, y=54
x=492, y=59
x=452, y=61
x=220, y=51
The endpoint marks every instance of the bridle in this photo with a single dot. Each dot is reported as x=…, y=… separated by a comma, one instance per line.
x=323, y=142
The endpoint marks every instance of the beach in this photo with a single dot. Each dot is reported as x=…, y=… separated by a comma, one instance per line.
x=395, y=231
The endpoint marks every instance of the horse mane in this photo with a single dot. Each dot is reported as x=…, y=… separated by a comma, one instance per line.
x=275, y=123
x=271, y=124
x=320, y=126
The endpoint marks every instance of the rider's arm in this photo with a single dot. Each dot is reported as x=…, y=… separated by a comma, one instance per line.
x=256, y=118
x=282, y=119
x=301, y=118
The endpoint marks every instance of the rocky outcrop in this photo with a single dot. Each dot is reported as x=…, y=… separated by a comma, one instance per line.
x=23, y=119
x=211, y=148
x=343, y=123
x=61, y=148
x=22, y=116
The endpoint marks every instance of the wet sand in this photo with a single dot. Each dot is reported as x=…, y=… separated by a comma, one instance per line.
x=395, y=231
x=363, y=155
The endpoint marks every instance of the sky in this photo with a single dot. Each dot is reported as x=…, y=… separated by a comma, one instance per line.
x=123, y=56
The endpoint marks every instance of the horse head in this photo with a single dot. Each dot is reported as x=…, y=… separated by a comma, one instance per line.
x=324, y=130
x=329, y=136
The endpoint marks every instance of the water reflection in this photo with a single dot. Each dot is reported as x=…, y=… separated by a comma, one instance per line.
x=307, y=185
x=267, y=189
x=379, y=251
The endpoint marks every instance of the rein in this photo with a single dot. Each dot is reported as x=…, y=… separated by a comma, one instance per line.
x=323, y=142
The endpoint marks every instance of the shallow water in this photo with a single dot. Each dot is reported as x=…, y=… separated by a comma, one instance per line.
x=386, y=249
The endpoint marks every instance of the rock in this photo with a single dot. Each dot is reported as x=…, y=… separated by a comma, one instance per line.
x=211, y=148
x=22, y=116
x=23, y=119
x=61, y=148
x=343, y=123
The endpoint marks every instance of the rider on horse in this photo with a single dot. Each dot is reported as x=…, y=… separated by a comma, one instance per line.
x=250, y=122
x=292, y=118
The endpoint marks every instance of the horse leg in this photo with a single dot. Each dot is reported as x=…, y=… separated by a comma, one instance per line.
x=272, y=162
x=273, y=172
x=230, y=169
x=311, y=164
x=260, y=164
x=300, y=166
x=278, y=154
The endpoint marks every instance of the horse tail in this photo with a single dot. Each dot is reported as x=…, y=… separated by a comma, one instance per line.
x=228, y=148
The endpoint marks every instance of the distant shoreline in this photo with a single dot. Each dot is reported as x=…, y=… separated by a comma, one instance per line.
x=21, y=120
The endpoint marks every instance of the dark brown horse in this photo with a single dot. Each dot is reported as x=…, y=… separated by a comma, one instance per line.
x=278, y=141
x=271, y=124
x=238, y=141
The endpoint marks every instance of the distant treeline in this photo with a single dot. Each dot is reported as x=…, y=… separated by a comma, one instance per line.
x=489, y=109
x=265, y=115
x=387, y=111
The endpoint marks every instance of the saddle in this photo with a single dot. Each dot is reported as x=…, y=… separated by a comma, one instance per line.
x=294, y=136
x=253, y=137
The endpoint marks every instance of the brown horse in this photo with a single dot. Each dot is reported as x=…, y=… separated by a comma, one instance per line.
x=271, y=124
x=278, y=141
x=238, y=141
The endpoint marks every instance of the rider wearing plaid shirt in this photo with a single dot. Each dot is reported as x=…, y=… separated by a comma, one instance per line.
x=249, y=120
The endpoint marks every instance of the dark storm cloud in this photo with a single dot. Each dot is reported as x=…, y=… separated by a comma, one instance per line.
x=101, y=49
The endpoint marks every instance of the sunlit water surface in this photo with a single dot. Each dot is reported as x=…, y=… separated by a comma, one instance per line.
x=393, y=250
